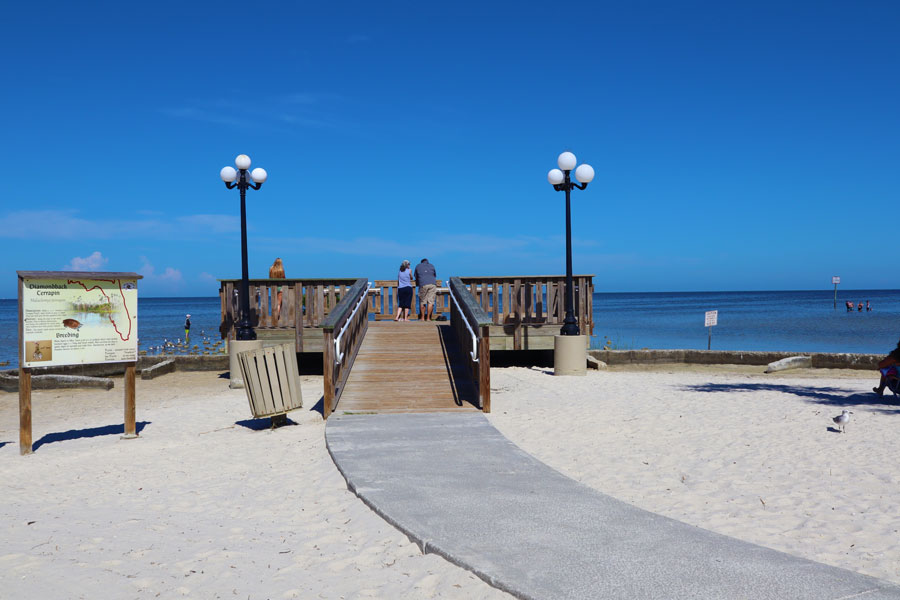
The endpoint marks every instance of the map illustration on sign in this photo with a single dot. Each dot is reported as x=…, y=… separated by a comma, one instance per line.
x=78, y=320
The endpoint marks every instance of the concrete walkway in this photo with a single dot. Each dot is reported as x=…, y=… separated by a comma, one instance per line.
x=457, y=487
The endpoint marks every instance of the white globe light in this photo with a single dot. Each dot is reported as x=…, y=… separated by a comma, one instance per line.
x=228, y=174
x=259, y=175
x=555, y=177
x=242, y=162
x=584, y=173
x=566, y=161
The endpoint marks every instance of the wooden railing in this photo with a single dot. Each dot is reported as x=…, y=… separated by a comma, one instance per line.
x=472, y=326
x=533, y=299
x=304, y=303
x=344, y=329
x=383, y=300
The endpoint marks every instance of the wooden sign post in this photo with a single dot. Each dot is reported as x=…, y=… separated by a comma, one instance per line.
x=74, y=318
x=712, y=319
x=835, y=280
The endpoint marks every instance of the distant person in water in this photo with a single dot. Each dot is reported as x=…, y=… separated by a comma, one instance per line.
x=888, y=367
x=868, y=306
x=276, y=271
x=849, y=305
x=859, y=308
x=187, y=326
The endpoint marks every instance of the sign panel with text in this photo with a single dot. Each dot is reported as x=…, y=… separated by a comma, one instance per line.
x=712, y=318
x=835, y=280
x=70, y=318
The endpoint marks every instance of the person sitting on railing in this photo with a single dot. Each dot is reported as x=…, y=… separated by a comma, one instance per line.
x=426, y=279
x=276, y=271
x=404, y=292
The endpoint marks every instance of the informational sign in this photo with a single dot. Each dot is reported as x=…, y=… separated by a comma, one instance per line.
x=835, y=280
x=77, y=318
x=712, y=318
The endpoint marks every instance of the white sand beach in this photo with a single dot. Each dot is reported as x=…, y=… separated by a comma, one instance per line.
x=197, y=507
x=727, y=449
x=203, y=506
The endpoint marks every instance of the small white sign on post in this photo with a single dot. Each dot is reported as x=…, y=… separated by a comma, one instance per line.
x=835, y=280
x=712, y=319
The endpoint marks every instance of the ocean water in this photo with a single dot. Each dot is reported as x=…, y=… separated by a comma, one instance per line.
x=803, y=321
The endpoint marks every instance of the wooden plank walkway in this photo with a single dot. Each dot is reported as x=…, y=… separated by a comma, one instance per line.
x=408, y=367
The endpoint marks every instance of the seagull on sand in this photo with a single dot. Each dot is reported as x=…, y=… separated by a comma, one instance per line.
x=842, y=419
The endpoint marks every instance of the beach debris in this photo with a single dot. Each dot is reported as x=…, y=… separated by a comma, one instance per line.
x=160, y=368
x=792, y=362
x=71, y=323
x=10, y=383
x=595, y=363
x=842, y=419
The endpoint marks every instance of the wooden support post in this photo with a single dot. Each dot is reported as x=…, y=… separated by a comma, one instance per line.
x=298, y=316
x=484, y=369
x=130, y=419
x=24, y=411
x=328, y=372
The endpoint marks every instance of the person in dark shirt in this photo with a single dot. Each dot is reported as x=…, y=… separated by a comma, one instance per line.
x=426, y=279
x=888, y=367
x=187, y=326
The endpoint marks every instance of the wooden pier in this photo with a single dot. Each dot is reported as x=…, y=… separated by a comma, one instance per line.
x=526, y=311
x=373, y=364
x=409, y=367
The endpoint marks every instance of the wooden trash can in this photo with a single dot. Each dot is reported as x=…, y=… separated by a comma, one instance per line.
x=271, y=379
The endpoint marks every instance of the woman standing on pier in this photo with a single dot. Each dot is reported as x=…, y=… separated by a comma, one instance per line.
x=404, y=292
x=276, y=271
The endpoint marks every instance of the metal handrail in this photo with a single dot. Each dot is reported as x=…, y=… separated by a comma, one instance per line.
x=338, y=355
x=474, y=353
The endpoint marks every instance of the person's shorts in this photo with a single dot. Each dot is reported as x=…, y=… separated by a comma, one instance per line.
x=404, y=297
x=427, y=293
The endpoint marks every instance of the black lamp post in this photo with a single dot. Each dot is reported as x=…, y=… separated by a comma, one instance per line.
x=560, y=180
x=229, y=175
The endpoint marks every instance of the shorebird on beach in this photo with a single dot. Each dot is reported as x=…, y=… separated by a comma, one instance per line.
x=842, y=419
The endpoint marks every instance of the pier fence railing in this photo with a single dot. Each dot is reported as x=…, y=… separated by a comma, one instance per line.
x=472, y=326
x=343, y=331
x=304, y=303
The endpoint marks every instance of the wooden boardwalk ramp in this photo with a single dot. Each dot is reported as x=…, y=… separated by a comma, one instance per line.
x=409, y=367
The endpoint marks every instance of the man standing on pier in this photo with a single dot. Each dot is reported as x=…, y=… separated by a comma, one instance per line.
x=426, y=279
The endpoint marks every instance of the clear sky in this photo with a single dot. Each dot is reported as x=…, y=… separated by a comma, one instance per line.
x=737, y=146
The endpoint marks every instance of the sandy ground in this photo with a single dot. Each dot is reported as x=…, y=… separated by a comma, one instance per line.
x=202, y=505
x=209, y=504
x=729, y=449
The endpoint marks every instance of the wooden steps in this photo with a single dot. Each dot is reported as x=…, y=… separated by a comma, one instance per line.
x=408, y=367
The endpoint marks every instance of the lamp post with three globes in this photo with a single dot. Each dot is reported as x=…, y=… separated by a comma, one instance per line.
x=243, y=177
x=561, y=181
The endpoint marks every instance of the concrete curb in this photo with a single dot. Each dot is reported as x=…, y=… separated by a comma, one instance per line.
x=819, y=360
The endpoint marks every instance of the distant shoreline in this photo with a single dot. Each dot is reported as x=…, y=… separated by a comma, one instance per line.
x=826, y=291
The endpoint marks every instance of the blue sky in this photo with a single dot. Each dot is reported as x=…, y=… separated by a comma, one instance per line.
x=736, y=147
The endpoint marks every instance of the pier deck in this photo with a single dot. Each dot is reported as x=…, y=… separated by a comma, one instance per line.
x=408, y=367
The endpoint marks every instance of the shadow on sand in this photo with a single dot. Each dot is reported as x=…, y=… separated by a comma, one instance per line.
x=829, y=396
x=74, y=434
x=263, y=423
